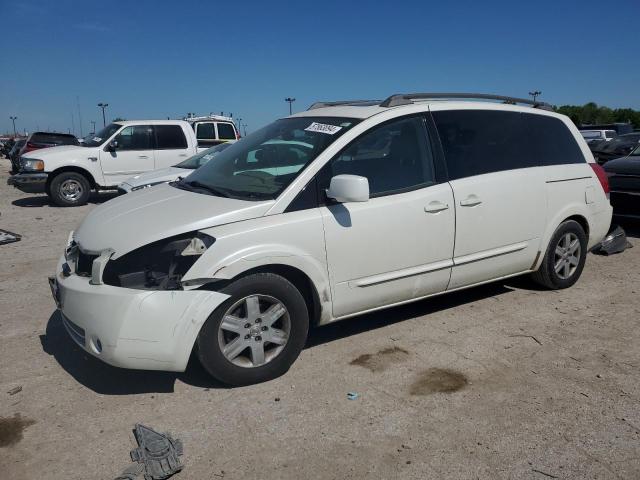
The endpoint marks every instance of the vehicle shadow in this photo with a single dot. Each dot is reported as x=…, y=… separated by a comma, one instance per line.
x=96, y=198
x=107, y=380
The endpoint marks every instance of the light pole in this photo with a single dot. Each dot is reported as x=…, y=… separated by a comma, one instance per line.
x=534, y=94
x=244, y=125
x=290, y=100
x=13, y=119
x=93, y=125
x=103, y=106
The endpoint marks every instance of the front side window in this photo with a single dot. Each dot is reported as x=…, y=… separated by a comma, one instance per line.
x=170, y=137
x=610, y=134
x=135, y=137
x=261, y=165
x=394, y=157
x=226, y=131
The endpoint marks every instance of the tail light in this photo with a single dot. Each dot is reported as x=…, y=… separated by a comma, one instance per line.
x=237, y=135
x=602, y=177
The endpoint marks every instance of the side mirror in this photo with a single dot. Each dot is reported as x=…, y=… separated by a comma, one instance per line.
x=113, y=146
x=349, y=188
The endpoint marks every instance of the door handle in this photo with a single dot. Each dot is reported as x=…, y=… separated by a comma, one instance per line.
x=143, y=156
x=471, y=201
x=435, y=207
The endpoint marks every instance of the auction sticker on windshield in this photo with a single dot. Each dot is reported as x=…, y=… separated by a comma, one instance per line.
x=323, y=128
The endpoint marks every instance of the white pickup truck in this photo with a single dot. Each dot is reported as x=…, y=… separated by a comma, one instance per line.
x=67, y=174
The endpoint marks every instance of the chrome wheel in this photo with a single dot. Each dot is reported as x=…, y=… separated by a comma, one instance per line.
x=254, y=331
x=567, y=255
x=71, y=190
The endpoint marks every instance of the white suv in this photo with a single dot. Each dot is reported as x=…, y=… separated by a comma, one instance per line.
x=346, y=208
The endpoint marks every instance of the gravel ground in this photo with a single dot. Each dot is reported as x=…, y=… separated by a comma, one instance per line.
x=501, y=381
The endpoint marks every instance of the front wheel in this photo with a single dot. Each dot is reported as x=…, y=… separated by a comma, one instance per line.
x=565, y=257
x=257, y=333
x=69, y=189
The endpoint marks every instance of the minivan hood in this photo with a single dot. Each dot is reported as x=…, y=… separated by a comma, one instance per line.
x=145, y=216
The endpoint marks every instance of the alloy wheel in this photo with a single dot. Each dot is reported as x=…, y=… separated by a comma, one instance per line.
x=567, y=255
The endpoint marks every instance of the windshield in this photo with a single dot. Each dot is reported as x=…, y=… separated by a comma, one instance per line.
x=621, y=141
x=636, y=151
x=263, y=164
x=203, y=157
x=99, y=138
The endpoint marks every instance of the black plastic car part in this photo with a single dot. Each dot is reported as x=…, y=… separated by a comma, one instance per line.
x=157, y=456
x=615, y=242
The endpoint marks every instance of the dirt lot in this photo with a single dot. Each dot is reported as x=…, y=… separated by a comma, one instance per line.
x=502, y=381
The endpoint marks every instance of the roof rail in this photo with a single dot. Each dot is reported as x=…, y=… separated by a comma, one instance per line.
x=406, y=98
x=362, y=103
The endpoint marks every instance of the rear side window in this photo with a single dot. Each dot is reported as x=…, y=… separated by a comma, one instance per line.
x=550, y=141
x=482, y=141
x=170, y=137
x=205, y=131
x=137, y=137
x=53, y=138
x=226, y=131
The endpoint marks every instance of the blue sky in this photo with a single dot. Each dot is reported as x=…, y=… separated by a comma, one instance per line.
x=152, y=59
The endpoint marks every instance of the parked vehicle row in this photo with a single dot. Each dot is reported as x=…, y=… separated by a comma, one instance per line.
x=620, y=146
x=345, y=208
x=68, y=174
x=624, y=179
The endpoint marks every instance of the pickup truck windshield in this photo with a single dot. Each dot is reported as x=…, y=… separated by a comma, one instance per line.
x=203, y=157
x=261, y=165
x=99, y=138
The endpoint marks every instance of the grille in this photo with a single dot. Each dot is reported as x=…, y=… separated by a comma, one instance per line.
x=84, y=263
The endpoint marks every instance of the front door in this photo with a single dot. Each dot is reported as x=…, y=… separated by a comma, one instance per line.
x=132, y=155
x=399, y=244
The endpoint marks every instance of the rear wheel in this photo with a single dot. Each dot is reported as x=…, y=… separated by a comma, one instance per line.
x=69, y=189
x=565, y=257
x=256, y=334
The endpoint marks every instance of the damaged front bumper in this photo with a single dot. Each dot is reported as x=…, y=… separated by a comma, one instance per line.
x=130, y=328
x=29, y=182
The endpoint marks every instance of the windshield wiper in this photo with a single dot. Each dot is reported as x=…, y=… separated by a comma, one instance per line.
x=213, y=190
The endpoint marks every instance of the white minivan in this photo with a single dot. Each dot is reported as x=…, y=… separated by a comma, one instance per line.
x=345, y=208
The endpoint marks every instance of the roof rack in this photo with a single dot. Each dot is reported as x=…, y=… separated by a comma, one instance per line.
x=406, y=98
x=361, y=103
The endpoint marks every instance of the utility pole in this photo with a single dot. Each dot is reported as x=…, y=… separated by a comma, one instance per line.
x=103, y=106
x=239, y=123
x=93, y=125
x=13, y=119
x=290, y=100
x=535, y=94
x=244, y=125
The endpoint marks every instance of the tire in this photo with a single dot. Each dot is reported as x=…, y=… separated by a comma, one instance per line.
x=569, y=260
x=230, y=351
x=69, y=189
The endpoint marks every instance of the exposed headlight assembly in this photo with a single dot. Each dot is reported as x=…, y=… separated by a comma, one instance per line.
x=31, y=165
x=159, y=265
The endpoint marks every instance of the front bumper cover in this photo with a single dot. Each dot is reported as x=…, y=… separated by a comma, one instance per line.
x=128, y=328
x=29, y=182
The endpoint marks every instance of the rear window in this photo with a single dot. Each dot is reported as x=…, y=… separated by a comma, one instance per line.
x=591, y=134
x=226, y=131
x=550, y=141
x=485, y=141
x=54, y=138
x=170, y=137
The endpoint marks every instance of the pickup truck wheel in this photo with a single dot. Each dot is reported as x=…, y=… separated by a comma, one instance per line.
x=69, y=189
x=565, y=257
x=257, y=333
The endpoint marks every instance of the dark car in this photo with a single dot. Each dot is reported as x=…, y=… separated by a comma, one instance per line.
x=38, y=140
x=13, y=154
x=616, y=148
x=624, y=182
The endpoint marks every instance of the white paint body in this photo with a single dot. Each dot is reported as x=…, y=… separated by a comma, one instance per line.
x=108, y=169
x=359, y=256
